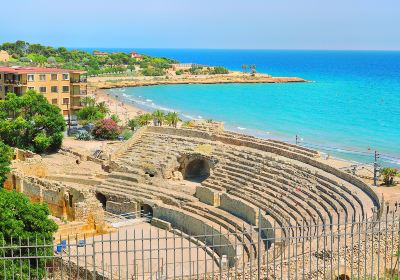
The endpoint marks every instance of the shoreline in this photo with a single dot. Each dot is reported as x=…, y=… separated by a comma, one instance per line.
x=109, y=82
x=126, y=108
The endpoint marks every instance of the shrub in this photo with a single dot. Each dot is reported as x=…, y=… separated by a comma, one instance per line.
x=219, y=70
x=28, y=222
x=83, y=135
x=115, y=118
x=126, y=134
x=106, y=129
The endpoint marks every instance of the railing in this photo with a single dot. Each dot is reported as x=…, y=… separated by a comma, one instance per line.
x=79, y=93
x=14, y=82
x=354, y=249
x=77, y=81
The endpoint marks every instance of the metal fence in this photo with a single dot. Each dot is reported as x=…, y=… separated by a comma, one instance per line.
x=355, y=249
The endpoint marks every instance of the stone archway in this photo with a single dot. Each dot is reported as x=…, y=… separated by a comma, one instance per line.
x=197, y=170
x=196, y=167
x=102, y=199
x=146, y=210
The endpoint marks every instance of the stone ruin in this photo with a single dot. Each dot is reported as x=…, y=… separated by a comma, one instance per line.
x=204, y=179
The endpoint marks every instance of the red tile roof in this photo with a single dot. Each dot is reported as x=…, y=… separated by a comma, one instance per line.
x=28, y=69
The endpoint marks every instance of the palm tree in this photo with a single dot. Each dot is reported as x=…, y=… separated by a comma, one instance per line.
x=388, y=175
x=145, y=119
x=88, y=101
x=158, y=117
x=103, y=108
x=172, y=118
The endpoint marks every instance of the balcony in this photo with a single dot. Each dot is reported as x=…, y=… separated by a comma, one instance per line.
x=80, y=93
x=78, y=81
x=14, y=82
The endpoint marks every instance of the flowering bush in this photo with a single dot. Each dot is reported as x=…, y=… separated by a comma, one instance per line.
x=106, y=129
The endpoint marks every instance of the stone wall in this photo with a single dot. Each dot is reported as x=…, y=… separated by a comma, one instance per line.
x=64, y=202
x=121, y=207
x=196, y=225
x=239, y=208
x=208, y=196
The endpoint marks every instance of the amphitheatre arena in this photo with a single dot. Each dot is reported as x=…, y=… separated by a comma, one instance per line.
x=202, y=202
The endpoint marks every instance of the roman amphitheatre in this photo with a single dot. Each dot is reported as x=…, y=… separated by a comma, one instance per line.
x=199, y=182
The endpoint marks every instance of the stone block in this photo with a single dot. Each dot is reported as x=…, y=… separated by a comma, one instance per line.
x=208, y=196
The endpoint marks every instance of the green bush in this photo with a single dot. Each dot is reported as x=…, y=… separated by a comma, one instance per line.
x=83, y=135
x=126, y=134
x=89, y=114
x=23, y=222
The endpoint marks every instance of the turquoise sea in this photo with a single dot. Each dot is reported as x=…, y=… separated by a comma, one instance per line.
x=351, y=108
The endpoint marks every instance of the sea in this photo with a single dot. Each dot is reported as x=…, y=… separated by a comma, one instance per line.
x=350, y=109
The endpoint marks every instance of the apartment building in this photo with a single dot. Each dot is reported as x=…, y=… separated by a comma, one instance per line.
x=61, y=87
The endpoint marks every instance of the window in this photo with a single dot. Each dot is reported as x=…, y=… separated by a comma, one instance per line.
x=31, y=88
x=54, y=89
x=31, y=77
x=65, y=89
x=42, y=89
x=65, y=76
x=54, y=101
x=54, y=77
x=42, y=77
x=65, y=101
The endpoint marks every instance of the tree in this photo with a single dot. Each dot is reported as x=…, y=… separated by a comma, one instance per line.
x=103, y=108
x=172, y=118
x=158, y=117
x=133, y=124
x=30, y=122
x=29, y=224
x=388, y=175
x=145, y=119
x=51, y=60
x=5, y=161
x=106, y=129
x=89, y=114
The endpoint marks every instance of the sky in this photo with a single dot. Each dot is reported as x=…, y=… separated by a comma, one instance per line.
x=213, y=24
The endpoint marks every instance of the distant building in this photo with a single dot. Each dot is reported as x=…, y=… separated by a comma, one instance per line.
x=185, y=66
x=62, y=87
x=4, y=56
x=98, y=53
x=136, y=56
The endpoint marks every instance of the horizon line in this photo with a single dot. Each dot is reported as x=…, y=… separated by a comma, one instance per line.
x=238, y=49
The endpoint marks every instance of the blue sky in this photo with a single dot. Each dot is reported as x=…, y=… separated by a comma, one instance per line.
x=234, y=24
